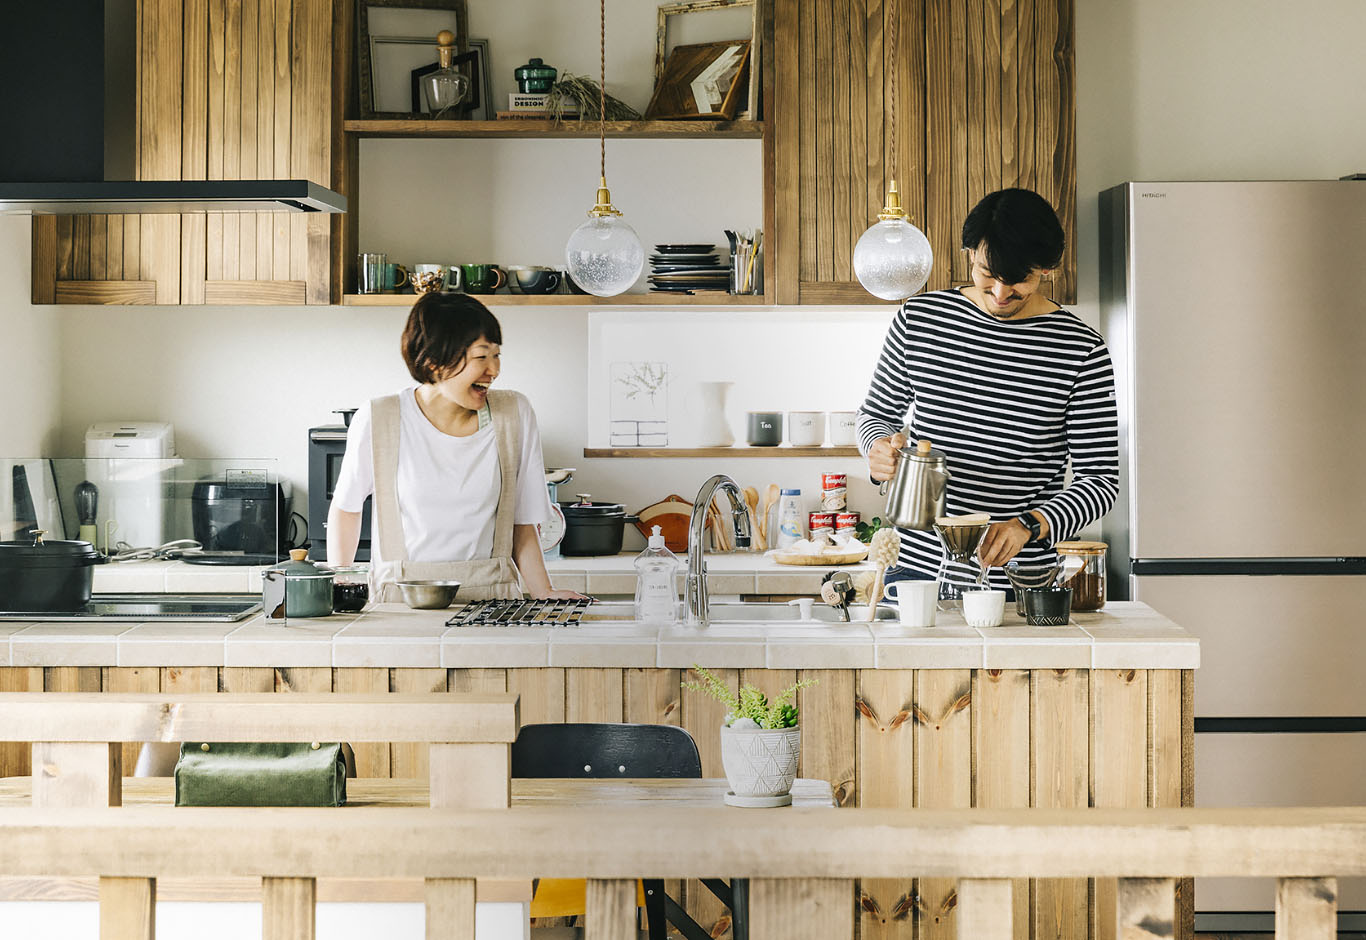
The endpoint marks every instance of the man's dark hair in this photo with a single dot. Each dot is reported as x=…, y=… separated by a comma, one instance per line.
x=440, y=330
x=1020, y=232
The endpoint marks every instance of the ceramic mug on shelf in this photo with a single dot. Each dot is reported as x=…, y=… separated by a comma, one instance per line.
x=764, y=428
x=535, y=279
x=843, y=428
x=806, y=428
x=395, y=276
x=483, y=278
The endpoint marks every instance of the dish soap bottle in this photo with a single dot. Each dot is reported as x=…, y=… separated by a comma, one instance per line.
x=790, y=528
x=657, y=582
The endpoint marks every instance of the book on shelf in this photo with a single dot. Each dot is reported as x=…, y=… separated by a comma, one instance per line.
x=540, y=103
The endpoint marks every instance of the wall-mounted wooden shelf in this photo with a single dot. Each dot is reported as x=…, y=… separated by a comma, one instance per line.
x=737, y=451
x=658, y=130
x=571, y=300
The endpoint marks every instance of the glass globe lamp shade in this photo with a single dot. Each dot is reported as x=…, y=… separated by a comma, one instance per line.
x=892, y=259
x=604, y=255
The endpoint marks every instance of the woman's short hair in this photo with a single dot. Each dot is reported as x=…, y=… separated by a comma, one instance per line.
x=1020, y=232
x=440, y=330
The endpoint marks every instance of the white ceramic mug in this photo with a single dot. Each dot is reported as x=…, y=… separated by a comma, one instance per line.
x=842, y=428
x=806, y=428
x=984, y=608
x=915, y=601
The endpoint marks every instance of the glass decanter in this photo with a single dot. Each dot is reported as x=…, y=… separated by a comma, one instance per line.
x=445, y=87
x=959, y=569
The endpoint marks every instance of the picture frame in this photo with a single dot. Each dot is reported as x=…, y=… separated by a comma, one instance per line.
x=701, y=82
x=751, y=109
x=389, y=36
x=474, y=64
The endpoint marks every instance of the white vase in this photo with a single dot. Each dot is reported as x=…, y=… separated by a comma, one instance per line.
x=758, y=761
x=711, y=429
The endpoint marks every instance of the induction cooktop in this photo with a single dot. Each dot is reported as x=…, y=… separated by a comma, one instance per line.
x=141, y=608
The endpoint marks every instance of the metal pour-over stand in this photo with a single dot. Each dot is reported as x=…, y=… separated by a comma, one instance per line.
x=960, y=536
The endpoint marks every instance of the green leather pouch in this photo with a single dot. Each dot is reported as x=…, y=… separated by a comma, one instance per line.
x=260, y=774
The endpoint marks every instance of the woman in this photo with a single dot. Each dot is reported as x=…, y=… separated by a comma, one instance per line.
x=455, y=467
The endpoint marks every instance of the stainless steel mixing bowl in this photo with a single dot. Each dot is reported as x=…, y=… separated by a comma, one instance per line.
x=428, y=595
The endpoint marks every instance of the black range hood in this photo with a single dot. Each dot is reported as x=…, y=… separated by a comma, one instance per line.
x=68, y=91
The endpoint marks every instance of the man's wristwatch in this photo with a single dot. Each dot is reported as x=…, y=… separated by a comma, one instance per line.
x=1031, y=523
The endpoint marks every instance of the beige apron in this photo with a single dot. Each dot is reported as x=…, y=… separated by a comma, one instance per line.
x=481, y=578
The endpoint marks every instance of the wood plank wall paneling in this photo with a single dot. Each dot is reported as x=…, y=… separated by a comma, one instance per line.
x=985, y=100
x=1119, y=763
x=1060, y=745
x=227, y=89
x=885, y=700
x=943, y=779
x=1000, y=702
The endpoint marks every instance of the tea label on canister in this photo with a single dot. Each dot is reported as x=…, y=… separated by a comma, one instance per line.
x=846, y=522
x=834, y=487
x=822, y=524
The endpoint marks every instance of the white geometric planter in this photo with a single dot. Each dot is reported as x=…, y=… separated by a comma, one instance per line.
x=760, y=762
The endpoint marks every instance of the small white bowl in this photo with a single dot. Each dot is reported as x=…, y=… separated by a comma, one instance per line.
x=984, y=608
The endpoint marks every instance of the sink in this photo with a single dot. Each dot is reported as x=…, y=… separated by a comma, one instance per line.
x=735, y=612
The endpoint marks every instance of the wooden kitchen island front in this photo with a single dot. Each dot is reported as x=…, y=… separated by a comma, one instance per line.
x=1097, y=713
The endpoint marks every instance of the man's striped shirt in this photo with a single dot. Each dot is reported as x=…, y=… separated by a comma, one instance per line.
x=1008, y=402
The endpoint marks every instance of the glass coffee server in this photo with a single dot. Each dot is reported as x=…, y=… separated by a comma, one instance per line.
x=960, y=569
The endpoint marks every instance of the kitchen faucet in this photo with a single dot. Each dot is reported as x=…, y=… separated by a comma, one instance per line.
x=695, y=591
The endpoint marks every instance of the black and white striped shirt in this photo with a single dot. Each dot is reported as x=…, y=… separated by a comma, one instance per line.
x=1008, y=402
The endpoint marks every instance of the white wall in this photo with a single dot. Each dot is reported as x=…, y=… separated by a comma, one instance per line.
x=1166, y=89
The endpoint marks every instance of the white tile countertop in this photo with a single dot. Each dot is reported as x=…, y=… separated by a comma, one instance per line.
x=727, y=573
x=1125, y=635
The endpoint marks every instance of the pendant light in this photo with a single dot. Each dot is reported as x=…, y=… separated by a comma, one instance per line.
x=604, y=255
x=892, y=259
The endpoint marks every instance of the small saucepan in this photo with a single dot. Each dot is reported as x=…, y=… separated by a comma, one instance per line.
x=593, y=528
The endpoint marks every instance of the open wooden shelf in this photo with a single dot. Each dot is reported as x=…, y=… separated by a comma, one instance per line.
x=740, y=450
x=673, y=130
x=714, y=299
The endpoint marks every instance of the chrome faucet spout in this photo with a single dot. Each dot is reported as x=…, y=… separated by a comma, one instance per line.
x=697, y=599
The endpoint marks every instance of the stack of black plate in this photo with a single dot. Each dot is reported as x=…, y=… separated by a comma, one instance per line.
x=683, y=269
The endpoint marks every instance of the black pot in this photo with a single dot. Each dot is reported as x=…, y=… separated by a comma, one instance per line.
x=592, y=528
x=53, y=575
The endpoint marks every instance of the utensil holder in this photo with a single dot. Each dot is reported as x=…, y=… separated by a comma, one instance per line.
x=747, y=273
x=1047, y=607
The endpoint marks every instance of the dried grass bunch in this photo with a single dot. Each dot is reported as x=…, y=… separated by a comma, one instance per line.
x=583, y=93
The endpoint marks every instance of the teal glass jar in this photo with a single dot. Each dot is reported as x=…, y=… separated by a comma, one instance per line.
x=535, y=77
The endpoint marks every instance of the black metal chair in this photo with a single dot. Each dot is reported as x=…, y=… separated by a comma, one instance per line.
x=602, y=750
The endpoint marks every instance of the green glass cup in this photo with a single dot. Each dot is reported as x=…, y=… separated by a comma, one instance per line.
x=483, y=278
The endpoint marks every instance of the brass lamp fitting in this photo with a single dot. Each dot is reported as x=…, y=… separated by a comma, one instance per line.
x=892, y=208
x=604, y=205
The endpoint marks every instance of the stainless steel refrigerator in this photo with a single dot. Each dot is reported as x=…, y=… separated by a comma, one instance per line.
x=1236, y=314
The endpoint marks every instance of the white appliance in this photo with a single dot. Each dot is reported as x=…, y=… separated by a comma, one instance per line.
x=127, y=462
x=1239, y=345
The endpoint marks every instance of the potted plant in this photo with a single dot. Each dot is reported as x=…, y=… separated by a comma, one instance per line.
x=760, y=740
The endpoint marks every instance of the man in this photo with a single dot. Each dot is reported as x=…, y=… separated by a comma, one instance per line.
x=1009, y=386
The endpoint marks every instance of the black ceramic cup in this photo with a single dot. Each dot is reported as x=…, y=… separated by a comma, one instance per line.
x=1048, y=606
x=765, y=428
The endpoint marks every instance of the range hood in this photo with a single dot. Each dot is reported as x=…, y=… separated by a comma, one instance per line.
x=68, y=93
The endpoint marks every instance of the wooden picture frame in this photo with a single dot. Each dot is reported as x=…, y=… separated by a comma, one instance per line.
x=679, y=92
x=685, y=7
x=456, y=21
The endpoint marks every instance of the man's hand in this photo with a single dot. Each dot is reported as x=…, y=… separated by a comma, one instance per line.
x=884, y=456
x=1002, y=542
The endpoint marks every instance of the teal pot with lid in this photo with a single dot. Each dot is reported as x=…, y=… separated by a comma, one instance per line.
x=308, y=588
x=535, y=77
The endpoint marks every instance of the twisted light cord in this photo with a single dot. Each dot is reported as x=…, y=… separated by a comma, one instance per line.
x=602, y=87
x=896, y=4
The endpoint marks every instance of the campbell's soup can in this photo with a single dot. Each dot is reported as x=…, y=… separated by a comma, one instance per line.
x=846, y=522
x=834, y=487
x=822, y=523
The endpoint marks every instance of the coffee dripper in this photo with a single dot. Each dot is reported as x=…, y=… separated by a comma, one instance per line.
x=960, y=536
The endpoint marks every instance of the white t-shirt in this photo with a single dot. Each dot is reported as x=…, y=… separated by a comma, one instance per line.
x=448, y=486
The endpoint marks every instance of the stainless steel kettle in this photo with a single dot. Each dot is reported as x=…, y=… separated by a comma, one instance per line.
x=915, y=496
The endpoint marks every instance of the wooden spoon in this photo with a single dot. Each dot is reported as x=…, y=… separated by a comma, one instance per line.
x=770, y=500
x=752, y=500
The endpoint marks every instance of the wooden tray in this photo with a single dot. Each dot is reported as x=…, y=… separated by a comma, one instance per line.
x=847, y=558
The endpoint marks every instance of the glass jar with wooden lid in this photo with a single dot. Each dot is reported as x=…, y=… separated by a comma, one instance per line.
x=1088, y=584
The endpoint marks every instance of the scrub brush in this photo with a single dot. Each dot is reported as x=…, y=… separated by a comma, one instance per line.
x=882, y=551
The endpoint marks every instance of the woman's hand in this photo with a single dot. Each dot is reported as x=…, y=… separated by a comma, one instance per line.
x=559, y=594
x=884, y=455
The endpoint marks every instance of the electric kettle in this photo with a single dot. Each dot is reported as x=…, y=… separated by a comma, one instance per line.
x=915, y=496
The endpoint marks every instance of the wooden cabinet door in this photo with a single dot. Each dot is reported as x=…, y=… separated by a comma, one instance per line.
x=227, y=89
x=985, y=100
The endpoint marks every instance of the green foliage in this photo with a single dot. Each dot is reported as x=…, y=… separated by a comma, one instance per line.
x=865, y=530
x=750, y=702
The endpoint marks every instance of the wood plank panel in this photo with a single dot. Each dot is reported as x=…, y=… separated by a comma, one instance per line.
x=194, y=160
x=805, y=112
x=875, y=143
x=106, y=292
x=886, y=778
x=992, y=67
x=958, y=126
x=283, y=226
x=132, y=246
x=410, y=760
x=159, y=139
x=702, y=718
x=542, y=694
x=64, y=261
x=912, y=144
x=1000, y=702
x=481, y=680
x=130, y=679
x=824, y=42
x=975, y=165
x=858, y=124
x=15, y=755
x=829, y=723
x=43, y=259
x=610, y=909
x=1064, y=168
x=345, y=155
x=1010, y=94
x=1119, y=762
x=593, y=695
x=372, y=759
x=217, y=102
x=289, y=908
x=1144, y=909
x=80, y=247
x=189, y=679
x=1306, y=908
x=470, y=776
x=265, y=131
x=652, y=696
x=939, y=139
x=254, y=292
x=69, y=775
x=128, y=908
x=99, y=247
x=841, y=167
x=985, y=909
x=71, y=678
x=311, y=151
x=1025, y=52
x=800, y=907
x=303, y=679
x=943, y=777
x=113, y=258
x=232, y=132
x=246, y=679
x=246, y=168
x=1059, y=738
x=450, y=908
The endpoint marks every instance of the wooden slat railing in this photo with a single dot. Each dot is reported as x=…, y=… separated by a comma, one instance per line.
x=800, y=861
